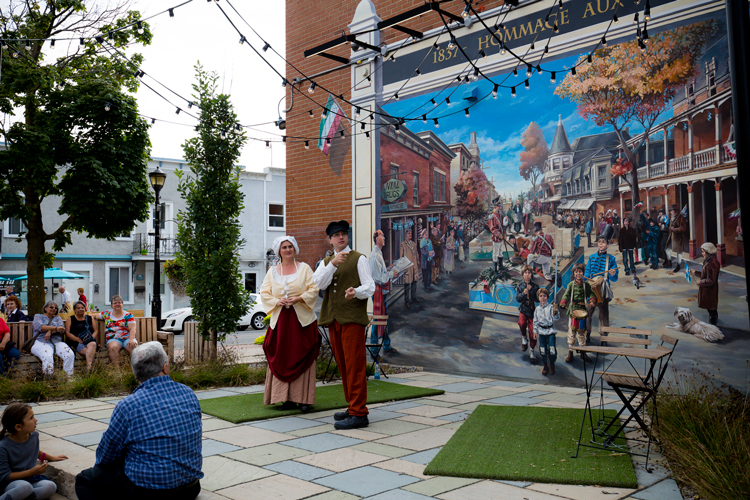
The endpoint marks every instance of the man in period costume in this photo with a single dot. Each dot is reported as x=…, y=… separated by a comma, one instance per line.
x=346, y=278
x=517, y=217
x=411, y=275
x=603, y=264
x=541, y=250
x=437, y=245
x=676, y=238
x=495, y=225
x=616, y=225
x=382, y=277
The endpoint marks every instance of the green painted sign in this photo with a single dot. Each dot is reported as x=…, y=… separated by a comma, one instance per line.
x=393, y=190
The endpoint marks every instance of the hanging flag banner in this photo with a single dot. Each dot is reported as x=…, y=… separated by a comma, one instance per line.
x=329, y=124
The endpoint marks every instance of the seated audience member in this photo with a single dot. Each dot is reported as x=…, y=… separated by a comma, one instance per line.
x=48, y=334
x=9, y=353
x=152, y=448
x=13, y=310
x=119, y=330
x=81, y=329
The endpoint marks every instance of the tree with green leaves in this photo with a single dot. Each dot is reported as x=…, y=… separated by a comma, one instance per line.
x=71, y=130
x=208, y=230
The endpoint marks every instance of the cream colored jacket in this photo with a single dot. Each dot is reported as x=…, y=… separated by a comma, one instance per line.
x=303, y=286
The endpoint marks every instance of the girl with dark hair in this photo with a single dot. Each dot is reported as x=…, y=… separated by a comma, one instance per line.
x=22, y=464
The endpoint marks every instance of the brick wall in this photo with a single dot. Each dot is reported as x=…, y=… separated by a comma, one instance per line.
x=319, y=187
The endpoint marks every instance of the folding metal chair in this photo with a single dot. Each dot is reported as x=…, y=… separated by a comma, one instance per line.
x=374, y=347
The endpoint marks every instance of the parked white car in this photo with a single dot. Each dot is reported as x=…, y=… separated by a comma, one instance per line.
x=172, y=321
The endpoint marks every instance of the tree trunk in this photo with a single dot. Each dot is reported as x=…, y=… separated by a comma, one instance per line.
x=35, y=238
x=635, y=194
x=213, y=347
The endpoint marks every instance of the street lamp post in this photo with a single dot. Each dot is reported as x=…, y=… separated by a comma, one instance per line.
x=157, y=178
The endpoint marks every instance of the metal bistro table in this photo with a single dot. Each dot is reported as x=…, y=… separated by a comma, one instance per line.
x=628, y=387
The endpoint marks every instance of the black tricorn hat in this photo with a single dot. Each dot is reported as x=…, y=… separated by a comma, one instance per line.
x=496, y=202
x=335, y=227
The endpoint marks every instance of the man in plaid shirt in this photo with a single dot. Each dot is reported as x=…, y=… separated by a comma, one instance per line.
x=601, y=264
x=152, y=448
x=541, y=250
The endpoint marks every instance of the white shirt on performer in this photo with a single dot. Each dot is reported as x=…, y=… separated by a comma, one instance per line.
x=324, y=275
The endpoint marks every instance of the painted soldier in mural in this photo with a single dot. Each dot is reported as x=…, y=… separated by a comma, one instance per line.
x=526, y=216
x=517, y=217
x=496, y=228
x=708, y=286
x=348, y=284
x=676, y=238
x=526, y=297
x=382, y=277
x=663, y=222
x=541, y=250
x=579, y=299
x=411, y=275
x=600, y=270
x=616, y=225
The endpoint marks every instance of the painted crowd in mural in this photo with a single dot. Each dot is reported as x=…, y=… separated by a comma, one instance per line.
x=535, y=178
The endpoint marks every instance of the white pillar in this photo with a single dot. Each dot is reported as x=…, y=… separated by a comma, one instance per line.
x=690, y=142
x=366, y=152
x=719, y=215
x=691, y=219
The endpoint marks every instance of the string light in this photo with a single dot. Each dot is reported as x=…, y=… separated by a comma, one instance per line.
x=555, y=28
x=307, y=144
x=311, y=114
x=604, y=41
x=153, y=120
x=433, y=102
x=526, y=84
x=268, y=144
x=528, y=70
x=546, y=49
x=573, y=71
x=513, y=92
x=356, y=113
x=363, y=126
x=395, y=96
x=367, y=134
x=502, y=49
x=140, y=27
x=242, y=39
x=494, y=91
x=635, y=18
x=515, y=71
x=266, y=47
x=312, y=88
x=4, y=44
x=171, y=12
x=447, y=100
x=424, y=118
x=417, y=72
x=28, y=45
x=589, y=58
x=466, y=112
x=452, y=43
x=552, y=78
x=328, y=141
x=476, y=74
x=645, y=33
x=647, y=11
x=15, y=55
x=82, y=41
x=52, y=43
x=107, y=107
x=178, y=111
x=481, y=53
x=342, y=134
x=465, y=13
x=435, y=120
x=283, y=137
x=532, y=46
x=615, y=19
x=223, y=134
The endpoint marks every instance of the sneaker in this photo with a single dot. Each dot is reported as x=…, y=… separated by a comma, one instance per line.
x=352, y=422
x=341, y=415
x=532, y=358
x=524, y=344
x=627, y=273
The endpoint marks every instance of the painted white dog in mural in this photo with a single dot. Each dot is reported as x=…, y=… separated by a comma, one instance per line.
x=688, y=324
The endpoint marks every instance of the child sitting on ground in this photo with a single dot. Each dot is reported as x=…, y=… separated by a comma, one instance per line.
x=545, y=316
x=22, y=464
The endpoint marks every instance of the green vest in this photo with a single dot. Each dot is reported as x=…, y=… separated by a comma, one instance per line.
x=335, y=305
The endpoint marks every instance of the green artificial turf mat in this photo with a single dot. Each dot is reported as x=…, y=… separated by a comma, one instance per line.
x=247, y=407
x=518, y=443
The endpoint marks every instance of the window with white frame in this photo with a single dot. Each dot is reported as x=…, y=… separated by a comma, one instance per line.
x=415, y=189
x=14, y=227
x=275, y=216
x=602, y=176
x=439, y=186
x=119, y=283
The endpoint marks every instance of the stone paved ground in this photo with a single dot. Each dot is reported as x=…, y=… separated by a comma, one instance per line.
x=303, y=456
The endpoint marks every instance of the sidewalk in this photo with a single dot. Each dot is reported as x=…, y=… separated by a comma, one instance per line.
x=303, y=456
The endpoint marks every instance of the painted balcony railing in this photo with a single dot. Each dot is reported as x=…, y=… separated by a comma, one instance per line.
x=702, y=159
x=656, y=169
x=677, y=165
x=705, y=158
x=144, y=243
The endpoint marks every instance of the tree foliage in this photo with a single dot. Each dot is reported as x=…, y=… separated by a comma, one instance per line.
x=71, y=130
x=472, y=190
x=623, y=84
x=209, y=228
x=534, y=154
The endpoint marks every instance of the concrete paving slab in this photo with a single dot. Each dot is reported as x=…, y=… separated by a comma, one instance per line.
x=92, y=407
x=488, y=393
x=645, y=478
x=431, y=422
x=438, y=485
x=245, y=436
x=459, y=387
x=455, y=417
x=343, y=459
x=68, y=406
x=87, y=438
x=399, y=494
x=334, y=495
x=320, y=443
x=214, y=424
x=286, y=424
x=366, y=481
x=403, y=467
x=435, y=402
x=420, y=440
x=57, y=423
x=201, y=395
x=76, y=428
x=299, y=470
x=382, y=449
x=509, y=383
x=362, y=434
x=278, y=487
x=425, y=384
x=581, y=492
x=429, y=411
x=311, y=431
x=395, y=427
x=666, y=489
x=267, y=454
x=220, y=472
x=398, y=406
x=513, y=401
x=455, y=398
x=210, y=447
x=53, y=416
x=423, y=457
x=517, y=484
x=492, y=490
x=531, y=394
x=97, y=414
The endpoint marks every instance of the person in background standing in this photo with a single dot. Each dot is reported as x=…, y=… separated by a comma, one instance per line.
x=82, y=297
x=628, y=242
x=460, y=243
x=495, y=227
x=517, y=216
x=66, y=300
x=708, y=286
x=427, y=254
x=589, y=228
x=382, y=277
x=676, y=239
x=616, y=225
x=411, y=275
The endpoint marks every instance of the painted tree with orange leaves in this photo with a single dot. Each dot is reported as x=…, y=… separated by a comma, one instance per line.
x=534, y=154
x=624, y=84
x=472, y=192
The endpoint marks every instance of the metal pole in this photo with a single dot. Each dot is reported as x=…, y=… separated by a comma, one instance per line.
x=738, y=36
x=156, y=298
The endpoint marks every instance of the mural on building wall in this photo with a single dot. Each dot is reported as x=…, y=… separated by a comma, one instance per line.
x=542, y=165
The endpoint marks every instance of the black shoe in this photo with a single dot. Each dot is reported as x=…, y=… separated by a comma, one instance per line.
x=406, y=304
x=352, y=422
x=627, y=273
x=341, y=415
x=416, y=299
x=667, y=264
x=288, y=405
x=304, y=408
x=713, y=320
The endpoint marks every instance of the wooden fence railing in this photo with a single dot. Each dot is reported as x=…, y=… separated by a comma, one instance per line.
x=196, y=348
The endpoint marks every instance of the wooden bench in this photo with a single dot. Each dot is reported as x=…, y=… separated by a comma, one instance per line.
x=146, y=331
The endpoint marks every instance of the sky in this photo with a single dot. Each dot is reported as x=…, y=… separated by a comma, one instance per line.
x=200, y=32
x=500, y=123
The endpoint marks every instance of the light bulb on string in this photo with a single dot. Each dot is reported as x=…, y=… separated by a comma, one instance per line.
x=482, y=53
x=52, y=43
x=476, y=74
x=367, y=134
x=546, y=49
x=223, y=134
x=615, y=19
x=494, y=91
x=342, y=134
x=555, y=28
x=552, y=78
x=647, y=11
x=435, y=120
x=417, y=72
x=447, y=100
x=526, y=84
x=589, y=58
x=283, y=138
x=328, y=141
x=140, y=27
x=515, y=71
x=242, y=39
x=645, y=33
x=312, y=115
x=81, y=41
x=363, y=126
x=107, y=107
x=28, y=45
x=312, y=88
x=433, y=102
x=513, y=92
x=268, y=144
x=395, y=96
x=465, y=12
x=466, y=112
x=604, y=41
x=502, y=49
x=424, y=118
x=356, y=113
x=307, y=144
x=177, y=112
x=452, y=43
x=171, y=12
x=153, y=120
x=266, y=46
x=573, y=71
x=528, y=70
x=635, y=18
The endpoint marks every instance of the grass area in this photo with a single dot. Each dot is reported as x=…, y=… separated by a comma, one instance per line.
x=529, y=444
x=248, y=407
x=704, y=429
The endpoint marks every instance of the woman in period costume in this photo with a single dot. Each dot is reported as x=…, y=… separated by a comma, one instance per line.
x=708, y=284
x=292, y=341
x=450, y=248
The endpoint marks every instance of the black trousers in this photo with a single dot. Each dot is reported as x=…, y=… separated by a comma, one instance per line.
x=410, y=291
x=427, y=275
x=109, y=482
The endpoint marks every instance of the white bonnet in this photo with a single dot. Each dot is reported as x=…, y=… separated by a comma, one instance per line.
x=281, y=239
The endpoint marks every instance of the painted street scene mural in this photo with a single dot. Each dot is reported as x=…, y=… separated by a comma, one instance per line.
x=612, y=189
